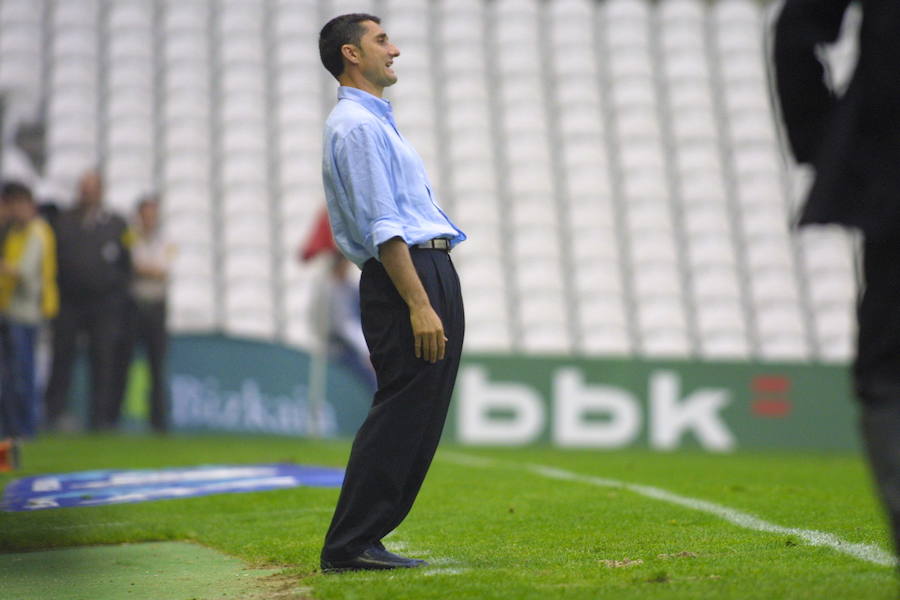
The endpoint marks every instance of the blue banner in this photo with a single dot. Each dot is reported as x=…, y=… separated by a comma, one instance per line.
x=97, y=488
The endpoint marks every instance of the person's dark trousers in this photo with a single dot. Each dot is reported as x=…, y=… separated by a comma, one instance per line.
x=877, y=371
x=394, y=446
x=881, y=434
x=144, y=324
x=154, y=335
x=124, y=353
x=9, y=423
x=101, y=320
x=23, y=389
x=66, y=327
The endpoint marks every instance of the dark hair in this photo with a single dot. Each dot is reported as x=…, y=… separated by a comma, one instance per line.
x=147, y=199
x=345, y=29
x=13, y=190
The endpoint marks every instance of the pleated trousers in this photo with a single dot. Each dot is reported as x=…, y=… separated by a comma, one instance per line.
x=393, y=448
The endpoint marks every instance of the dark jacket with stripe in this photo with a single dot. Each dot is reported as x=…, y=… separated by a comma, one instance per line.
x=852, y=141
x=94, y=262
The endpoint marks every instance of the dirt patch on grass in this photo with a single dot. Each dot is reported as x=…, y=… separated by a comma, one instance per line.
x=280, y=587
x=682, y=554
x=619, y=564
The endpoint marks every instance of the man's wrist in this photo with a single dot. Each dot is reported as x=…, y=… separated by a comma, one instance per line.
x=418, y=304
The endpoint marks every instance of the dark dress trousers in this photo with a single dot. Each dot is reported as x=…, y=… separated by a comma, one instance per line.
x=853, y=143
x=394, y=446
x=144, y=324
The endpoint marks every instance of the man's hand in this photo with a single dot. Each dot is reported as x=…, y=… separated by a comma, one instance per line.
x=428, y=331
x=150, y=271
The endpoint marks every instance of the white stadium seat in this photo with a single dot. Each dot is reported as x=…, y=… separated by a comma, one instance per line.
x=616, y=164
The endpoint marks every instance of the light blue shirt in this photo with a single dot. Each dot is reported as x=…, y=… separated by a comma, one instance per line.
x=375, y=182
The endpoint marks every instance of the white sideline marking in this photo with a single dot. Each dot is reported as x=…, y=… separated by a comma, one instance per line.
x=424, y=572
x=437, y=566
x=444, y=562
x=443, y=571
x=397, y=547
x=866, y=552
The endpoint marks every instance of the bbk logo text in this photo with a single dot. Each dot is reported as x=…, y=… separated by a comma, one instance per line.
x=583, y=414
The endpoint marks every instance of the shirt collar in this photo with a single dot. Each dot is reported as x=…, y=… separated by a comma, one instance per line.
x=377, y=106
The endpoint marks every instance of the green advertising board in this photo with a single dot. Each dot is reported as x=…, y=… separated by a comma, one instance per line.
x=664, y=405
x=224, y=384
x=219, y=383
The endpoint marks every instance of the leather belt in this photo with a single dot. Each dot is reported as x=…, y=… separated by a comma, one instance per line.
x=436, y=243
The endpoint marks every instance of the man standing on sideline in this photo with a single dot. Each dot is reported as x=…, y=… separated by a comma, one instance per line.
x=94, y=275
x=29, y=297
x=145, y=316
x=385, y=220
x=853, y=143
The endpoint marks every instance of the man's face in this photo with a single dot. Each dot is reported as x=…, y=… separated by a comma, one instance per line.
x=376, y=54
x=20, y=209
x=149, y=215
x=90, y=190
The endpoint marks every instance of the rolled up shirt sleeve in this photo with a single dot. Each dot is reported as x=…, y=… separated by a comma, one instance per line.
x=375, y=183
x=364, y=161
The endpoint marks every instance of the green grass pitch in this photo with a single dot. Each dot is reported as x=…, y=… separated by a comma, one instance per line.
x=499, y=529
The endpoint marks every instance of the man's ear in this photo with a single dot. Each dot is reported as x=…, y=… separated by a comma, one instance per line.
x=351, y=53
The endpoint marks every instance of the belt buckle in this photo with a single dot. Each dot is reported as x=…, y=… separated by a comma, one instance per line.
x=438, y=243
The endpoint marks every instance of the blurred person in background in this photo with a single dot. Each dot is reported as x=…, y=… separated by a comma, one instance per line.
x=9, y=432
x=145, y=315
x=335, y=311
x=852, y=142
x=339, y=299
x=94, y=278
x=28, y=296
x=386, y=220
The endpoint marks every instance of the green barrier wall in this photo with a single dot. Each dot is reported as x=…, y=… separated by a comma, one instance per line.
x=223, y=384
x=663, y=405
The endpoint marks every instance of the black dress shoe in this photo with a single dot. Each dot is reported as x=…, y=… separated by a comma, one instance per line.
x=371, y=559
